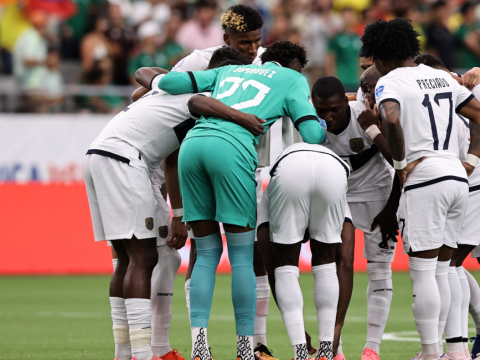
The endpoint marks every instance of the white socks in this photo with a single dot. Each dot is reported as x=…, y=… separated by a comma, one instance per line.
x=139, y=314
x=245, y=347
x=290, y=303
x=187, y=297
x=114, y=263
x=453, y=327
x=474, y=306
x=426, y=303
x=163, y=279
x=200, y=345
x=441, y=275
x=379, y=298
x=325, y=294
x=263, y=301
x=465, y=302
x=123, y=350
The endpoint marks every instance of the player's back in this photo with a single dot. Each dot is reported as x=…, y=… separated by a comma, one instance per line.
x=268, y=91
x=428, y=100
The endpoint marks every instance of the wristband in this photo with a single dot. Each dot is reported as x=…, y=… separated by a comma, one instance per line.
x=472, y=160
x=177, y=212
x=373, y=131
x=399, y=165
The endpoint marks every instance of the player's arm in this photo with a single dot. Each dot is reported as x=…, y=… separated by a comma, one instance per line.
x=471, y=110
x=138, y=93
x=189, y=82
x=209, y=107
x=145, y=75
x=471, y=78
x=179, y=230
x=369, y=121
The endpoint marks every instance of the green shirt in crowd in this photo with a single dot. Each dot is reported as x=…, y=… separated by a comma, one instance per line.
x=463, y=57
x=345, y=47
x=164, y=58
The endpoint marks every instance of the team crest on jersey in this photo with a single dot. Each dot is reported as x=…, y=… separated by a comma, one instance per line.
x=179, y=63
x=163, y=231
x=379, y=91
x=149, y=223
x=357, y=145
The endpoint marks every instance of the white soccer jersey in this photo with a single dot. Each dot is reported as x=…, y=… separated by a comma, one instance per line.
x=153, y=126
x=371, y=177
x=428, y=100
x=464, y=143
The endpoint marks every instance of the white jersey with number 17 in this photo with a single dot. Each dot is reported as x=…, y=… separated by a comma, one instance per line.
x=428, y=100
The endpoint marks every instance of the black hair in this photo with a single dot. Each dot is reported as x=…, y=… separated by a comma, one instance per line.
x=242, y=18
x=230, y=62
x=438, y=4
x=327, y=87
x=284, y=52
x=466, y=7
x=390, y=40
x=429, y=60
x=225, y=53
x=206, y=4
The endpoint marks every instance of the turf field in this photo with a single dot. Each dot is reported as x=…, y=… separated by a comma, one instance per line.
x=50, y=318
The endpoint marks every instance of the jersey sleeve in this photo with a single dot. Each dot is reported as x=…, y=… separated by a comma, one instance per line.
x=387, y=90
x=462, y=96
x=156, y=79
x=192, y=62
x=204, y=80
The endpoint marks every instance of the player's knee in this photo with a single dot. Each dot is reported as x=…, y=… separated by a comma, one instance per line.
x=379, y=271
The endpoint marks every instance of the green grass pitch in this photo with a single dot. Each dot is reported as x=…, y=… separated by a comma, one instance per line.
x=50, y=318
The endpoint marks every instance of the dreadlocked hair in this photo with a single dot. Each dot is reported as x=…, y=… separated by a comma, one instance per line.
x=242, y=18
x=390, y=40
x=284, y=52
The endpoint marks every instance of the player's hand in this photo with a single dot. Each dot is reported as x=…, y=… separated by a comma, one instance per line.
x=179, y=234
x=311, y=349
x=468, y=168
x=402, y=174
x=251, y=123
x=387, y=220
x=369, y=117
x=471, y=78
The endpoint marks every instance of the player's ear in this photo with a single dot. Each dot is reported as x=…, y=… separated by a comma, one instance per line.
x=346, y=100
x=226, y=38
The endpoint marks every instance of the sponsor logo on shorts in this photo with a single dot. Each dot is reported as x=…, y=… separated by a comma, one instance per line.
x=357, y=144
x=163, y=231
x=149, y=223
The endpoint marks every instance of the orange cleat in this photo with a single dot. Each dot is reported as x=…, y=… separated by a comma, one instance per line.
x=173, y=355
x=370, y=354
x=339, y=357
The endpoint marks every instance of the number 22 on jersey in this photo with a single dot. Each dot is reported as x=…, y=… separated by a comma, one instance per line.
x=237, y=81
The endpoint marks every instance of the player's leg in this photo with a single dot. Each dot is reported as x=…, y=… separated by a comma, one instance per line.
x=443, y=283
x=474, y=309
x=191, y=263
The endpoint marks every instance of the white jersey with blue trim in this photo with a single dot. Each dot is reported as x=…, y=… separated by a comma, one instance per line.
x=428, y=100
x=371, y=175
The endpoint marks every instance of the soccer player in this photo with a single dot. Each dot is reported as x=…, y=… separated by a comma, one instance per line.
x=365, y=149
x=213, y=192
x=119, y=166
x=416, y=104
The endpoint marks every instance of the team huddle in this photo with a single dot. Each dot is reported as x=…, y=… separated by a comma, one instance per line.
x=398, y=156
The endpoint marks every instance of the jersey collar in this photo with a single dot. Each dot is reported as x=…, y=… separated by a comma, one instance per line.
x=274, y=62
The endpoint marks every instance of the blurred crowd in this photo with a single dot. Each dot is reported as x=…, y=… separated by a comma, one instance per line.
x=107, y=41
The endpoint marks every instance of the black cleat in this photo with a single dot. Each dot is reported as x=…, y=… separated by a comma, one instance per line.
x=261, y=352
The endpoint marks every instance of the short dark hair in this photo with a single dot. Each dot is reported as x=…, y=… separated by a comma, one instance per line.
x=390, y=40
x=284, y=52
x=230, y=62
x=225, y=53
x=242, y=18
x=328, y=86
x=429, y=60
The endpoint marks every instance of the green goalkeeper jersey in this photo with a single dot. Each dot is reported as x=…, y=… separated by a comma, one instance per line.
x=268, y=91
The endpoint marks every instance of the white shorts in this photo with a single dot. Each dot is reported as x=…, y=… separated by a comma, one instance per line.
x=432, y=216
x=476, y=252
x=121, y=199
x=259, y=191
x=308, y=191
x=162, y=209
x=363, y=214
x=470, y=234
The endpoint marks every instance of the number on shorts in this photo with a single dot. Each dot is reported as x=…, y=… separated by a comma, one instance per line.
x=262, y=92
x=426, y=102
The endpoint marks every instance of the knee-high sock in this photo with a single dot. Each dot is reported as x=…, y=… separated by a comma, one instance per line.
x=290, y=302
x=453, y=327
x=325, y=293
x=123, y=349
x=202, y=283
x=379, y=299
x=426, y=303
x=244, y=289
x=139, y=314
x=474, y=306
x=465, y=302
x=187, y=297
x=441, y=275
x=263, y=301
x=163, y=280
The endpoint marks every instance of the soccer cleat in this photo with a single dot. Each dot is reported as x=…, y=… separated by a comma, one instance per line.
x=173, y=355
x=458, y=355
x=370, y=354
x=210, y=351
x=339, y=357
x=476, y=347
x=476, y=357
x=261, y=352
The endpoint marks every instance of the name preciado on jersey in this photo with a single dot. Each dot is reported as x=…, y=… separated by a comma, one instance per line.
x=433, y=83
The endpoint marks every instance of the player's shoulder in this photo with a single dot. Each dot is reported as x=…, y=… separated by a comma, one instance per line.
x=357, y=107
x=198, y=58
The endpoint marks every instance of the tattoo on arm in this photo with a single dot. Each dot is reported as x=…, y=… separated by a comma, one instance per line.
x=474, y=139
x=390, y=113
